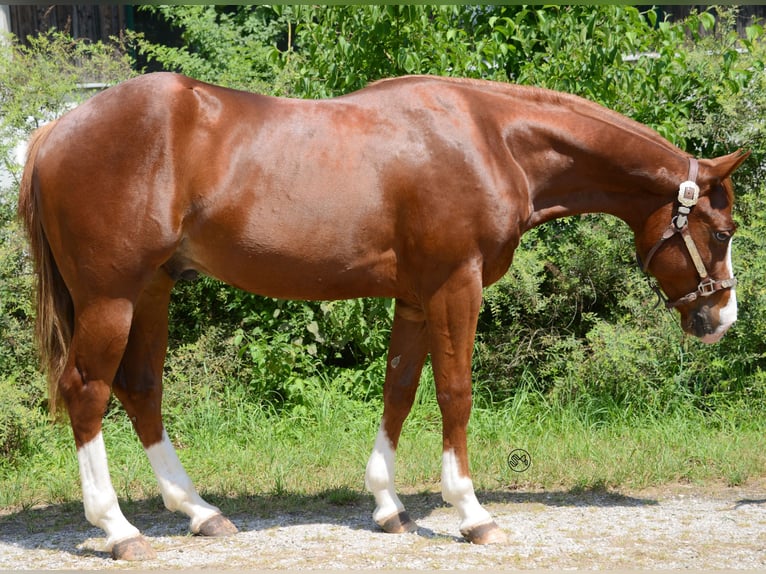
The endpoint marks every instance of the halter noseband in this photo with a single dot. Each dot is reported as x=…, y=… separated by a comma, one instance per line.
x=688, y=194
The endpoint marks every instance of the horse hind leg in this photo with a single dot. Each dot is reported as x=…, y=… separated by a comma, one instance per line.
x=406, y=355
x=138, y=386
x=100, y=334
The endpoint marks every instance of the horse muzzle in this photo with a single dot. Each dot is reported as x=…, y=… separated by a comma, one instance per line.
x=711, y=323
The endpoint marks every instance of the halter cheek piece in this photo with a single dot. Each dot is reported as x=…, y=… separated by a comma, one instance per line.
x=688, y=194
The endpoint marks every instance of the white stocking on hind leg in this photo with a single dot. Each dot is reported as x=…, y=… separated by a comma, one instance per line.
x=139, y=388
x=99, y=339
x=115, y=342
x=179, y=494
x=101, y=506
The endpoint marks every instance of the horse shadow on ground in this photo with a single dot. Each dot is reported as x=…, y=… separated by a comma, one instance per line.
x=63, y=528
x=749, y=502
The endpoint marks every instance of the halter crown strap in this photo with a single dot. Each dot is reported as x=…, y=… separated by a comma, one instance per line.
x=688, y=195
x=694, y=167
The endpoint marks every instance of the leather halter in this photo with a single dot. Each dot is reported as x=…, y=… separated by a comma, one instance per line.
x=688, y=194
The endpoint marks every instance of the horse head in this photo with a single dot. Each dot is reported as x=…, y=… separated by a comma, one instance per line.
x=686, y=245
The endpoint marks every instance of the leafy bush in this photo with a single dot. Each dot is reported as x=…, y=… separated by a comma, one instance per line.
x=22, y=387
x=42, y=79
x=344, y=48
x=225, y=45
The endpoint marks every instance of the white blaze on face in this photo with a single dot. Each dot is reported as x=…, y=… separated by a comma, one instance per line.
x=727, y=314
x=98, y=496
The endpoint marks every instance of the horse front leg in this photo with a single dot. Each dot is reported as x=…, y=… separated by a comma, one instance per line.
x=406, y=355
x=138, y=385
x=452, y=315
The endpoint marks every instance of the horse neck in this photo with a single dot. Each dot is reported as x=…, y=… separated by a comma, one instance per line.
x=599, y=162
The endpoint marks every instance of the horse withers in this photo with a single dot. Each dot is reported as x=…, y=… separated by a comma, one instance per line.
x=416, y=188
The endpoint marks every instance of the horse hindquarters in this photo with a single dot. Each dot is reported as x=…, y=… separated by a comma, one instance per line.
x=81, y=340
x=109, y=331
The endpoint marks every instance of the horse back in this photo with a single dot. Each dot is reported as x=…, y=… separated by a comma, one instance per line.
x=347, y=197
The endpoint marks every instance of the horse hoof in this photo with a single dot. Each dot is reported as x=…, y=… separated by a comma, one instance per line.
x=398, y=523
x=217, y=526
x=133, y=549
x=489, y=533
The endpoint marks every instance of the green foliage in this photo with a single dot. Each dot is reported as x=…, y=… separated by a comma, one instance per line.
x=21, y=386
x=285, y=350
x=292, y=348
x=248, y=458
x=566, y=279
x=43, y=79
x=588, y=43
x=344, y=48
x=231, y=46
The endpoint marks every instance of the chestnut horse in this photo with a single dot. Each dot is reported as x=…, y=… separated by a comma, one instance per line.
x=417, y=188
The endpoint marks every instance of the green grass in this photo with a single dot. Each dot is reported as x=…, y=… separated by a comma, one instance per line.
x=236, y=450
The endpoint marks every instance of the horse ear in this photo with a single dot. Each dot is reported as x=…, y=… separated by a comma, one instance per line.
x=724, y=166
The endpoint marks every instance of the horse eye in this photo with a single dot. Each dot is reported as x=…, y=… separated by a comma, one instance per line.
x=722, y=236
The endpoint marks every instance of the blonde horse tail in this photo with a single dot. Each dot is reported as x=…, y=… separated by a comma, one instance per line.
x=55, y=310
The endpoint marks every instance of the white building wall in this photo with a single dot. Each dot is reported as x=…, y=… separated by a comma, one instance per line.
x=5, y=18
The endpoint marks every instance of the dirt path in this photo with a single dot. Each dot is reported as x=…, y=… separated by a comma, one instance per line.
x=679, y=527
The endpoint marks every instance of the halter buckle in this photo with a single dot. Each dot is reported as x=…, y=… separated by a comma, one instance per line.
x=688, y=194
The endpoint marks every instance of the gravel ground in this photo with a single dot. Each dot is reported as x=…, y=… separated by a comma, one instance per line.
x=670, y=528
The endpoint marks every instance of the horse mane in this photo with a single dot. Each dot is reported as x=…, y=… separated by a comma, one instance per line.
x=576, y=104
